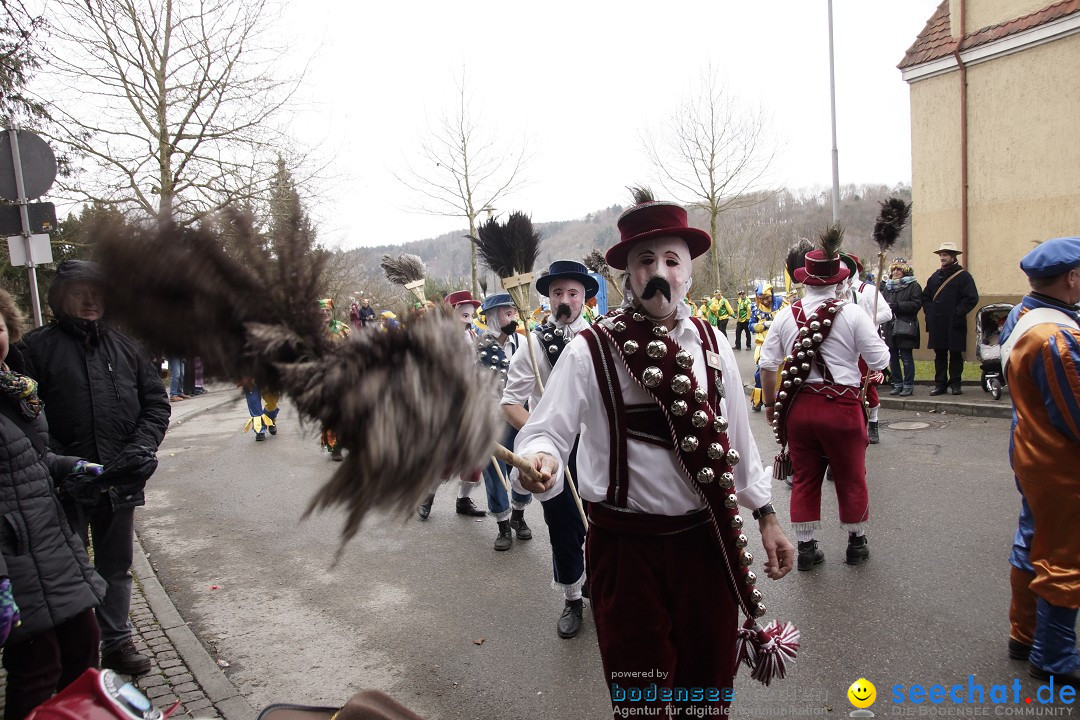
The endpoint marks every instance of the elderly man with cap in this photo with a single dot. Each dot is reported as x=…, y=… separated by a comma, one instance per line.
x=106, y=403
x=948, y=296
x=567, y=284
x=1040, y=352
x=816, y=345
x=464, y=307
x=496, y=348
x=667, y=459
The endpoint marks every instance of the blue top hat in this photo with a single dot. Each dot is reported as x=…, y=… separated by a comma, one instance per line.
x=568, y=270
x=497, y=300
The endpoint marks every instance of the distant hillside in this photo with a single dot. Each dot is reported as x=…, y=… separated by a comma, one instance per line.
x=752, y=240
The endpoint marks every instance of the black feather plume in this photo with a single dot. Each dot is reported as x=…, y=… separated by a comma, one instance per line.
x=796, y=257
x=511, y=248
x=405, y=268
x=831, y=240
x=890, y=222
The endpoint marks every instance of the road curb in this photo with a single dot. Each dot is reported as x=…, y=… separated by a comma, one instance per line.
x=217, y=687
x=956, y=408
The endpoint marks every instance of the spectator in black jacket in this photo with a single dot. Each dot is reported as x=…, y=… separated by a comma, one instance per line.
x=48, y=589
x=904, y=296
x=106, y=403
x=949, y=296
x=367, y=313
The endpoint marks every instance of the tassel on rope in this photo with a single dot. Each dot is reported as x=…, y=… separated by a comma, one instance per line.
x=767, y=651
x=782, y=467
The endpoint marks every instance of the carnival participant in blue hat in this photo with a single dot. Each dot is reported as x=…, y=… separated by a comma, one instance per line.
x=1040, y=352
x=567, y=284
x=496, y=347
x=667, y=459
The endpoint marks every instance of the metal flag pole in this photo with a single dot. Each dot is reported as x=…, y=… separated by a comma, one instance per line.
x=835, y=152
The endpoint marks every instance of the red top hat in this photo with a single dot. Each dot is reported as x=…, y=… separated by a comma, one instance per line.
x=655, y=219
x=461, y=297
x=821, y=270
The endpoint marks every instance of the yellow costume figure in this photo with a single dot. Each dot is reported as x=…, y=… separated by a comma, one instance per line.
x=262, y=409
x=765, y=308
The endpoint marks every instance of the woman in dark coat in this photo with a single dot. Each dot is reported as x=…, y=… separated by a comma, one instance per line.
x=904, y=296
x=48, y=588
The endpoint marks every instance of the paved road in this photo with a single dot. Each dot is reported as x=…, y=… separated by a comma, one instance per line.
x=409, y=604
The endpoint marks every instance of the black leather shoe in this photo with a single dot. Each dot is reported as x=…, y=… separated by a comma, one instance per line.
x=1037, y=672
x=858, y=549
x=272, y=429
x=505, y=541
x=517, y=522
x=425, y=507
x=465, y=506
x=259, y=437
x=872, y=433
x=1018, y=650
x=127, y=660
x=810, y=555
x=570, y=621
x=956, y=391
x=938, y=391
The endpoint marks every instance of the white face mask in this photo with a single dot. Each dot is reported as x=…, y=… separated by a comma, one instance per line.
x=663, y=257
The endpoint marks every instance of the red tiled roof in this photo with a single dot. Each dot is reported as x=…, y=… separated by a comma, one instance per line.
x=936, y=40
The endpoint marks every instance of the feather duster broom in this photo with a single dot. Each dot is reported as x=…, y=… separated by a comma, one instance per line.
x=890, y=223
x=596, y=263
x=410, y=405
x=408, y=271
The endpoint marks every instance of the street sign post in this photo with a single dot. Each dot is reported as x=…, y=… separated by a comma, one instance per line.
x=22, y=178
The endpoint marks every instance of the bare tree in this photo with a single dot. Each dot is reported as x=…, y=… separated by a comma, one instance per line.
x=712, y=154
x=462, y=171
x=170, y=103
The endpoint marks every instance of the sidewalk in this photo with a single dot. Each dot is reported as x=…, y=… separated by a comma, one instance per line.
x=974, y=401
x=181, y=669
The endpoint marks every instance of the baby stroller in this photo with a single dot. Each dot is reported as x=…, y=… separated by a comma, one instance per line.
x=988, y=322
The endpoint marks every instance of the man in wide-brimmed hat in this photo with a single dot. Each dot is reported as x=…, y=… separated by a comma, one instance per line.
x=567, y=284
x=1040, y=344
x=667, y=458
x=948, y=296
x=816, y=345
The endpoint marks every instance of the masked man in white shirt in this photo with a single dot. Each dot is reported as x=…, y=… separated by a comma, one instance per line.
x=816, y=345
x=666, y=459
x=567, y=285
x=866, y=296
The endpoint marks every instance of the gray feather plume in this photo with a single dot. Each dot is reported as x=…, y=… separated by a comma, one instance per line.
x=404, y=269
x=641, y=194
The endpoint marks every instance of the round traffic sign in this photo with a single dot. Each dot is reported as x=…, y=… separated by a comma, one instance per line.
x=38, y=165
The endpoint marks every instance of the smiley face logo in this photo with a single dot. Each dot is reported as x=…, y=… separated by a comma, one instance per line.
x=862, y=693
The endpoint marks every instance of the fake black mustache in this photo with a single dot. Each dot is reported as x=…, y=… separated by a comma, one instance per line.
x=655, y=284
x=563, y=310
x=509, y=328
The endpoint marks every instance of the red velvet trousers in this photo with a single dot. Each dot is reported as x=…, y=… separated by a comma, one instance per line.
x=665, y=617
x=824, y=429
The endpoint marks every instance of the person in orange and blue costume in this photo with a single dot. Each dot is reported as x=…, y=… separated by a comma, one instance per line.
x=1042, y=367
x=761, y=316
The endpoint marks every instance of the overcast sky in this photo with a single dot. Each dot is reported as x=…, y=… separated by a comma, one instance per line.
x=581, y=82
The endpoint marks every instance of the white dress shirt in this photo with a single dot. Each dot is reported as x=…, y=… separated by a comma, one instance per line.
x=853, y=334
x=521, y=386
x=865, y=295
x=657, y=485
